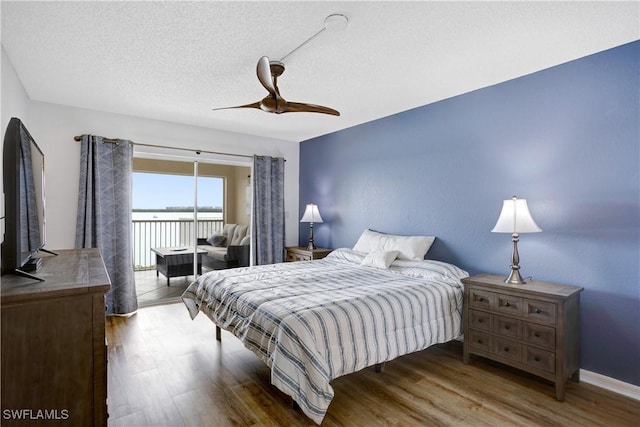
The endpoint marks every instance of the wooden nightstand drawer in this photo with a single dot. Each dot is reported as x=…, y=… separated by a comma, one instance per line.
x=539, y=335
x=507, y=326
x=508, y=348
x=480, y=320
x=292, y=257
x=540, y=359
x=540, y=311
x=480, y=299
x=508, y=304
x=479, y=341
x=301, y=253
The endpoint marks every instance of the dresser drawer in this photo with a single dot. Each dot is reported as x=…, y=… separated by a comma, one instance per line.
x=543, y=336
x=508, y=304
x=540, y=311
x=480, y=320
x=479, y=341
x=507, y=348
x=480, y=299
x=293, y=257
x=302, y=253
x=540, y=359
x=507, y=326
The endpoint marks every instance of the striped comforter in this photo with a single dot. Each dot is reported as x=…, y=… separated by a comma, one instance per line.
x=314, y=321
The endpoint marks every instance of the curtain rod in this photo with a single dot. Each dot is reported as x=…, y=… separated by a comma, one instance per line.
x=197, y=151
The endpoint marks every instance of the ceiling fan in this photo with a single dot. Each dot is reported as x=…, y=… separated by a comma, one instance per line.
x=268, y=73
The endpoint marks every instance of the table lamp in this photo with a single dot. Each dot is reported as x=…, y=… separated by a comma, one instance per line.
x=311, y=215
x=515, y=219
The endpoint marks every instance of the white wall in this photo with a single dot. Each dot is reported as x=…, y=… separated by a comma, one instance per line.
x=14, y=98
x=15, y=103
x=54, y=126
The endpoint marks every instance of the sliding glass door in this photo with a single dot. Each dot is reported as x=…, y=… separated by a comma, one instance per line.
x=178, y=204
x=163, y=211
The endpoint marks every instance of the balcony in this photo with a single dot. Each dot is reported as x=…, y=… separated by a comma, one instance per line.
x=157, y=233
x=148, y=234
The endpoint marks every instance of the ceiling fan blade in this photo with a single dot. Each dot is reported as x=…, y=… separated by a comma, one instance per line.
x=252, y=105
x=264, y=75
x=298, y=107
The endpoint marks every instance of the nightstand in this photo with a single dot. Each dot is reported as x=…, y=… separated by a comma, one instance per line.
x=301, y=253
x=534, y=327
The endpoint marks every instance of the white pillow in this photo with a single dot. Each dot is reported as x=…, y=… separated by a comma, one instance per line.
x=379, y=258
x=409, y=247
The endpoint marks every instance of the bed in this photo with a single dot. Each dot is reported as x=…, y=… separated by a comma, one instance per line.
x=313, y=321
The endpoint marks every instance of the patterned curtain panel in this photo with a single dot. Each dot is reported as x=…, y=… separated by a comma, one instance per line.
x=268, y=209
x=104, y=215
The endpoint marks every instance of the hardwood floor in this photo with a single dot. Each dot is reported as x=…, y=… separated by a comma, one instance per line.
x=167, y=370
x=152, y=289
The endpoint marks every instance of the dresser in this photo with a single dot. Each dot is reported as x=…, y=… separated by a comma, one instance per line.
x=53, y=343
x=301, y=253
x=533, y=327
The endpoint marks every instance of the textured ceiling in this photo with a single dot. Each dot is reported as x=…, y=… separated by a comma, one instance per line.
x=175, y=61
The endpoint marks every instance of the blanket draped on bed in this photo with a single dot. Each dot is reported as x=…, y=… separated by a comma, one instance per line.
x=314, y=321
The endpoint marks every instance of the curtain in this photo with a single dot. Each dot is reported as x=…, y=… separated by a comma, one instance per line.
x=104, y=215
x=268, y=209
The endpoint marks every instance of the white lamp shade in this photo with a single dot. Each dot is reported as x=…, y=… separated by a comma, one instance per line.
x=515, y=218
x=311, y=214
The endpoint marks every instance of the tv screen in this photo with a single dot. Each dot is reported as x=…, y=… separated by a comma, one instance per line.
x=24, y=192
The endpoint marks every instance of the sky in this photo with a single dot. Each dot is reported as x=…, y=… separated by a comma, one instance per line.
x=157, y=191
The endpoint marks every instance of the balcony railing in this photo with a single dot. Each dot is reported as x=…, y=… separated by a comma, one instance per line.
x=155, y=233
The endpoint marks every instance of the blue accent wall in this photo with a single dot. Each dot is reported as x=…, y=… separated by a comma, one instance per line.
x=566, y=139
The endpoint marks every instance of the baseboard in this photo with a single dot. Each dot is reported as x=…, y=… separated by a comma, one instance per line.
x=611, y=384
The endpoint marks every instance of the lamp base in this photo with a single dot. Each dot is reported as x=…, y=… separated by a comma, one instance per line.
x=514, y=277
x=311, y=246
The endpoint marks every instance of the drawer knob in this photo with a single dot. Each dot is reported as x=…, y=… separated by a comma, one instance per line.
x=506, y=349
x=480, y=320
x=506, y=304
x=536, y=310
x=537, y=358
x=481, y=299
x=507, y=327
x=479, y=341
x=537, y=335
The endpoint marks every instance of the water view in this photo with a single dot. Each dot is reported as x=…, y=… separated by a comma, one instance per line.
x=170, y=215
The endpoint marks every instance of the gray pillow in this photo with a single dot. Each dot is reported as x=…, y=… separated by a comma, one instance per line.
x=217, y=239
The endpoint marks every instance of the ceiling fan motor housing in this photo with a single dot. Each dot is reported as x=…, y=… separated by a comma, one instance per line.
x=277, y=68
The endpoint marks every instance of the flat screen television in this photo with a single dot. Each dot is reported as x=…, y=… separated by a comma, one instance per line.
x=24, y=193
